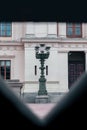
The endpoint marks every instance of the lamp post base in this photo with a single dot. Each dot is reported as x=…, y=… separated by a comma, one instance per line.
x=42, y=86
x=42, y=99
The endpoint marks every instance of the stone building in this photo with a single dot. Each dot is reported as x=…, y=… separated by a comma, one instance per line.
x=67, y=60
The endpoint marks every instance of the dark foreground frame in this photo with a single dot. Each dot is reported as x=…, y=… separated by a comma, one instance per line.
x=71, y=112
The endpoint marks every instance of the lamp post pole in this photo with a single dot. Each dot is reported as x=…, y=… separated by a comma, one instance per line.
x=42, y=53
x=42, y=80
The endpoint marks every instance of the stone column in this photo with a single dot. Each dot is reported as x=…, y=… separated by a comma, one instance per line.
x=63, y=71
x=31, y=79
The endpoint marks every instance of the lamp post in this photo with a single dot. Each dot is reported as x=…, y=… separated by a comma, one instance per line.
x=42, y=53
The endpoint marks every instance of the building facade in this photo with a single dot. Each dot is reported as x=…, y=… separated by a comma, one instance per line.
x=66, y=62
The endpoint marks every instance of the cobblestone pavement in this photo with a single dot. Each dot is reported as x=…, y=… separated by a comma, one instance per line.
x=41, y=110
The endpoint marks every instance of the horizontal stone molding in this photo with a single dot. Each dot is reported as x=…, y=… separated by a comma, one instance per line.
x=36, y=82
x=10, y=41
x=40, y=40
x=7, y=56
x=54, y=39
x=61, y=51
x=11, y=48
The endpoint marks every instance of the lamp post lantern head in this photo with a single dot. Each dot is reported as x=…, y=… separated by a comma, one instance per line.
x=42, y=51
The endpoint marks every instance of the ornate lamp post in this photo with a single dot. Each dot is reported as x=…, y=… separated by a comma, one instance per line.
x=42, y=53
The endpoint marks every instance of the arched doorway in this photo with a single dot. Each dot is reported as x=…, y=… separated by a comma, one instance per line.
x=76, y=66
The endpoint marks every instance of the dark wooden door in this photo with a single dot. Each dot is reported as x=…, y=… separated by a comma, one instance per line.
x=76, y=66
x=75, y=70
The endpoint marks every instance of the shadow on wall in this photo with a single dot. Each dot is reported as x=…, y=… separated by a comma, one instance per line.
x=71, y=112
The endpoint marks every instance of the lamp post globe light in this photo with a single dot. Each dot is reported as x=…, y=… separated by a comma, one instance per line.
x=42, y=53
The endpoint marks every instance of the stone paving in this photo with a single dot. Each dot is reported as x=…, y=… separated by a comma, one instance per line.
x=41, y=110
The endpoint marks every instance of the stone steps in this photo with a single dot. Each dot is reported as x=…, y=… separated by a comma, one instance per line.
x=15, y=85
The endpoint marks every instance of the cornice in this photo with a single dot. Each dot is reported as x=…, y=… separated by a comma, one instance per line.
x=53, y=40
x=7, y=43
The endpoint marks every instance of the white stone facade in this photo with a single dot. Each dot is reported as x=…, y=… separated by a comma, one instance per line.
x=20, y=49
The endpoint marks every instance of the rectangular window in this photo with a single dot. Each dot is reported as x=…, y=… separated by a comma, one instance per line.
x=5, y=69
x=46, y=69
x=5, y=29
x=74, y=30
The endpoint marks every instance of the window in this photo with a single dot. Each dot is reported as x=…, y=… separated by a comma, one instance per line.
x=74, y=30
x=5, y=29
x=5, y=68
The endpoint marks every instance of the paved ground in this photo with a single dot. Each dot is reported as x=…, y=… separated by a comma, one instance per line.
x=41, y=110
x=53, y=97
